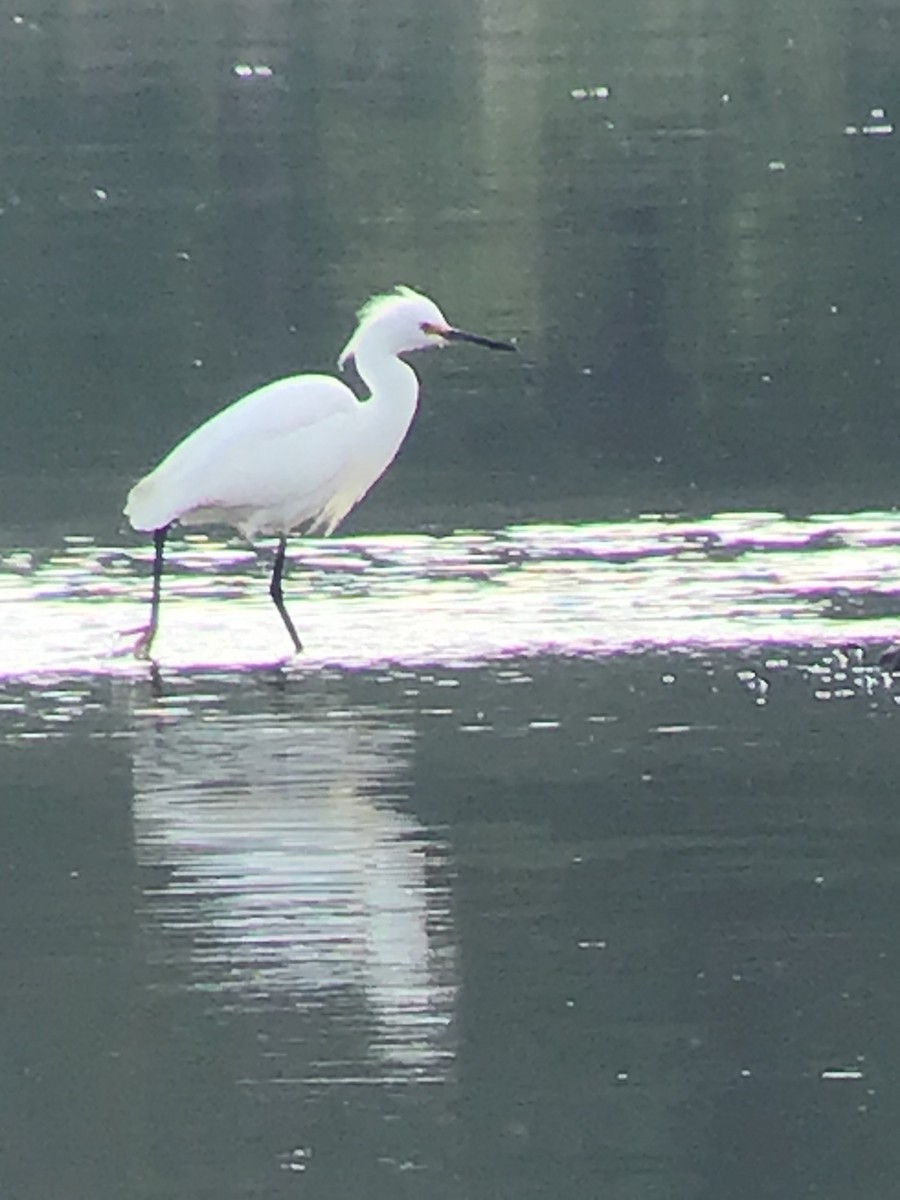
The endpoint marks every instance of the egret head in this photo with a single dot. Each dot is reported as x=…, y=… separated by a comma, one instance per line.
x=405, y=320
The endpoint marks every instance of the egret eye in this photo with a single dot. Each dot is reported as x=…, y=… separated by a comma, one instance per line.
x=429, y=327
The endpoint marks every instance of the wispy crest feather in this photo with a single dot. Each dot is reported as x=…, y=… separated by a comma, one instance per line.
x=373, y=309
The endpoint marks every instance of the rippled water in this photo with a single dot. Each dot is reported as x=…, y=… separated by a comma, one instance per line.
x=293, y=881
x=737, y=579
x=564, y=855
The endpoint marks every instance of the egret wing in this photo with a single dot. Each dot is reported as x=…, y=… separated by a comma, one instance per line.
x=273, y=455
x=299, y=479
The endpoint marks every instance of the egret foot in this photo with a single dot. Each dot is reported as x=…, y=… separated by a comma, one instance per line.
x=140, y=648
x=144, y=642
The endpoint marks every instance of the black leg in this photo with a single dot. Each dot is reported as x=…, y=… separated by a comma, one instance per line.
x=276, y=594
x=145, y=641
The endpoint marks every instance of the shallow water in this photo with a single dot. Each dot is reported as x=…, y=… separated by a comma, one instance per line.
x=562, y=858
x=732, y=580
x=522, y=926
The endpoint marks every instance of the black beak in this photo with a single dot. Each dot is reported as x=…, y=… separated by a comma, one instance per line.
x=460, y=335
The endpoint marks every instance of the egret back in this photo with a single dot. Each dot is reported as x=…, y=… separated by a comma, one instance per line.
x=278, y=448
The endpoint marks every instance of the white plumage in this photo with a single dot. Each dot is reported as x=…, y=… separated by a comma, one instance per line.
x=299, y=453
x=303, y=432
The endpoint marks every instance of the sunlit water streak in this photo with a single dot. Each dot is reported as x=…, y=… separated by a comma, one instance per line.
x=731, y=580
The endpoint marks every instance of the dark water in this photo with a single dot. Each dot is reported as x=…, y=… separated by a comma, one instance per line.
x=620, y=925
x=564, y=861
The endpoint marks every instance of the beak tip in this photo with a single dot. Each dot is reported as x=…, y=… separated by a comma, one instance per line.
x=477, y=339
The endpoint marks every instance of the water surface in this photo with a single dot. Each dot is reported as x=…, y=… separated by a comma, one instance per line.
x=733, y=580
x=564, y=860
x=504, y=927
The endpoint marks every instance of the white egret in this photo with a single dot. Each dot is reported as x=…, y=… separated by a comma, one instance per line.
x=298, y=453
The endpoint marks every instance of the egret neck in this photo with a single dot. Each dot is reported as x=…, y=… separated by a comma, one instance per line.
x=393, y=395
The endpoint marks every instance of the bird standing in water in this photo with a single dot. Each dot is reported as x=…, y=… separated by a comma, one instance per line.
x=298, y=453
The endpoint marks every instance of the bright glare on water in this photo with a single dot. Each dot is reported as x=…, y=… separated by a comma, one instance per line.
x=732, y=580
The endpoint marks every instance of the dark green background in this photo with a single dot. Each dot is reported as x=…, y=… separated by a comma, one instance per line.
x=701, y=267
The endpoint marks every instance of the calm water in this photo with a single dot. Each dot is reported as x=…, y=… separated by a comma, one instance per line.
x=564, y=862
x=528, y=927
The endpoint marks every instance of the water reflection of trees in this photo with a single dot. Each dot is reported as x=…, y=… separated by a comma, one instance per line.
x=695, y=252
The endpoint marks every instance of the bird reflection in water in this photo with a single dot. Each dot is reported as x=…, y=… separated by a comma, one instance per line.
x=292, y=879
